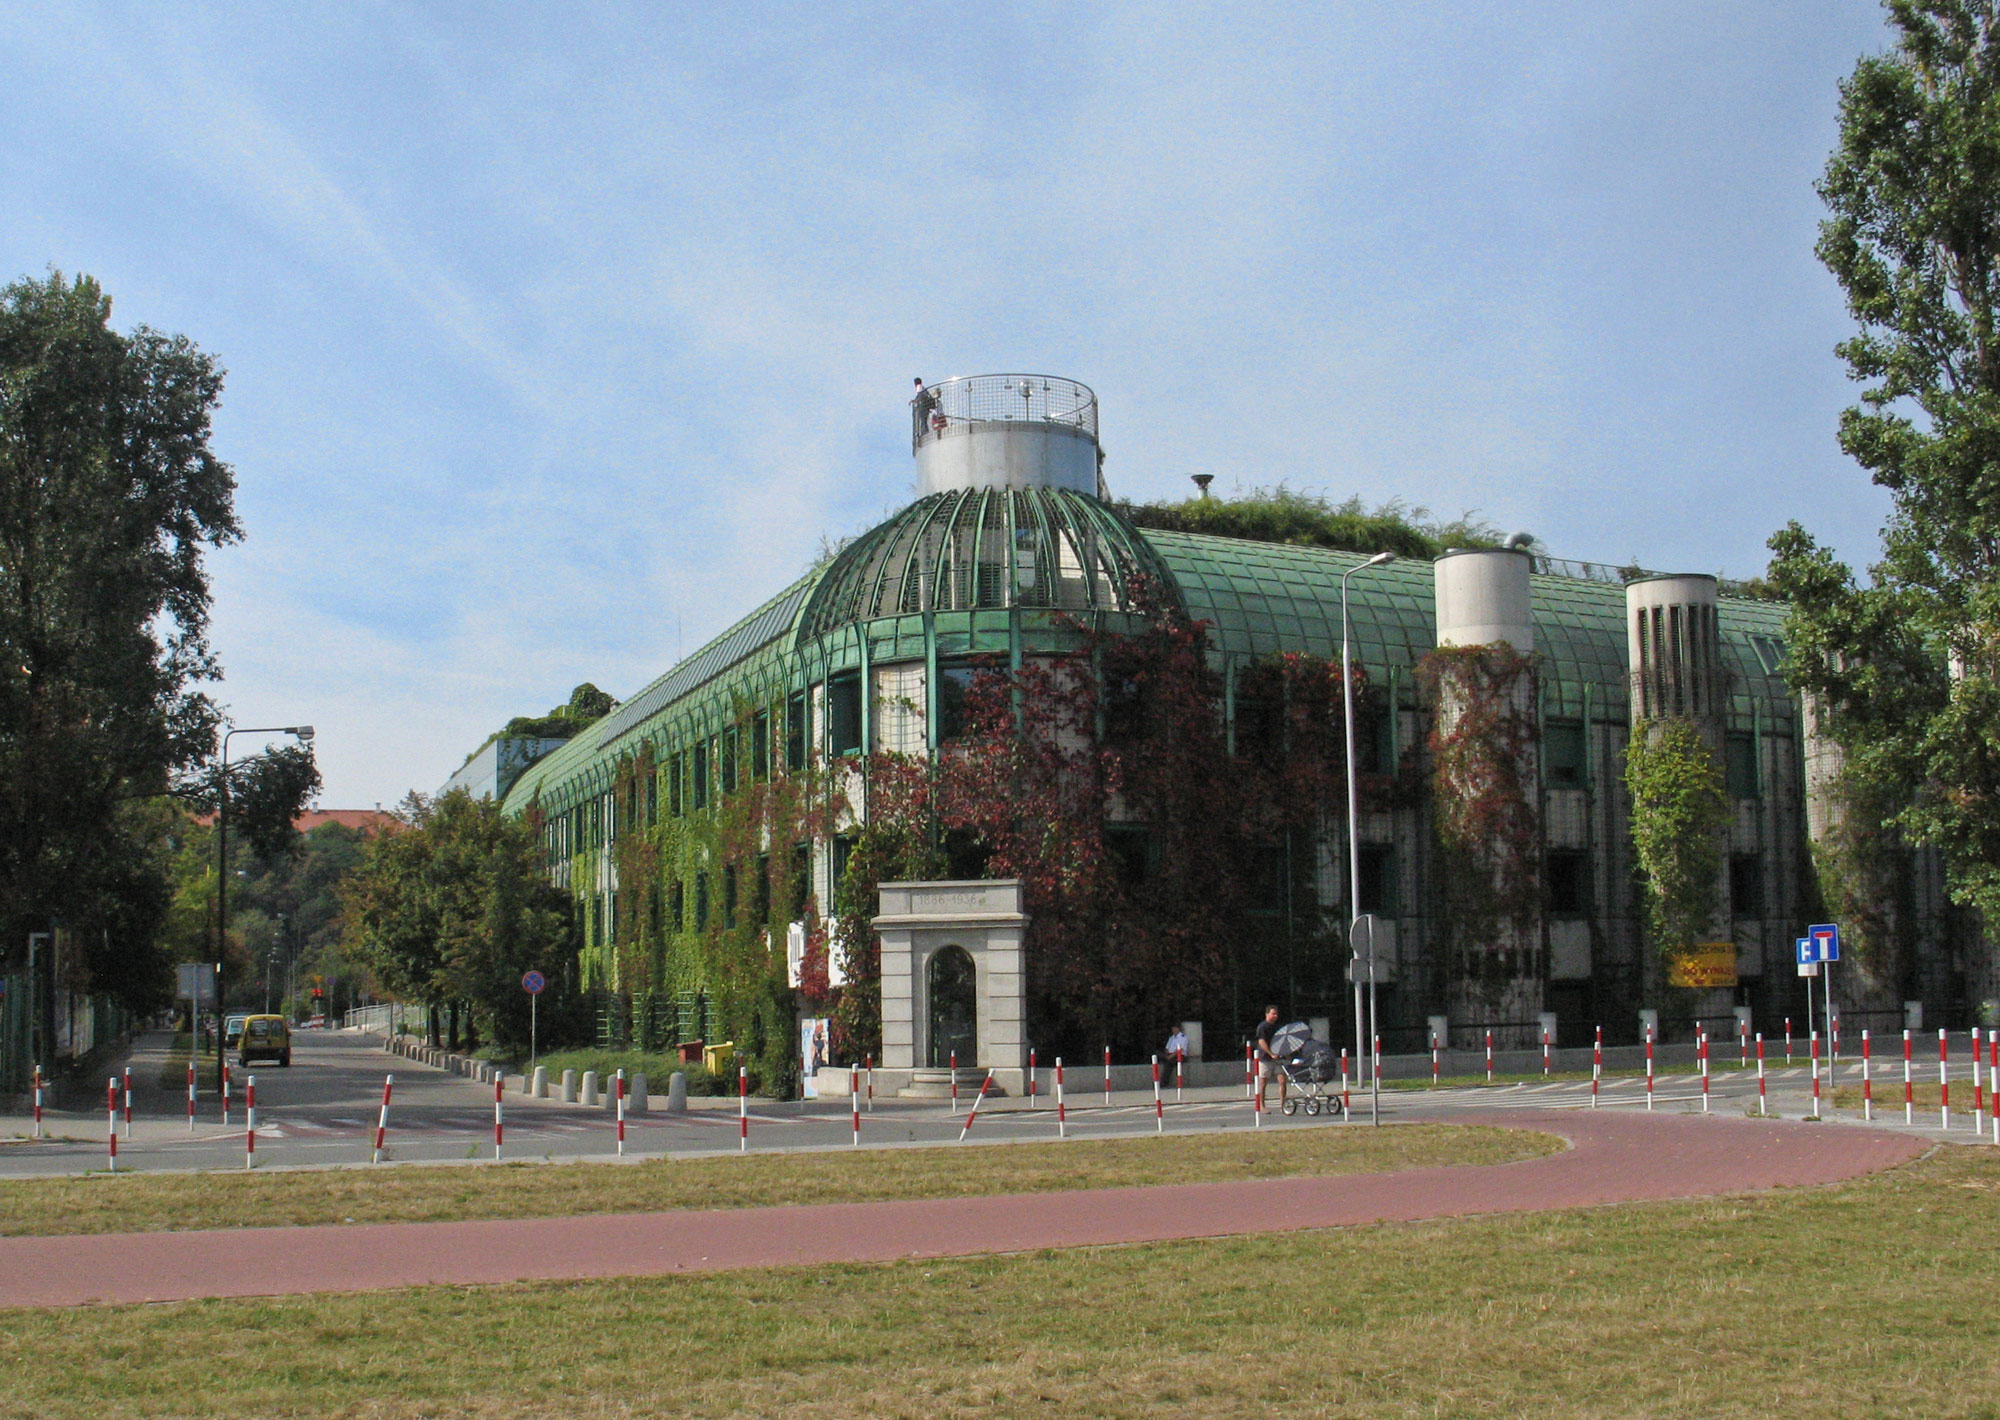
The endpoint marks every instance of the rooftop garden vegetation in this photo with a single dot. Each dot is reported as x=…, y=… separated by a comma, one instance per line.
x=1287, y=515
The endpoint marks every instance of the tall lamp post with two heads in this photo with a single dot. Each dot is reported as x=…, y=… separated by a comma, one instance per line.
x=303, y=733
x=1380, y=559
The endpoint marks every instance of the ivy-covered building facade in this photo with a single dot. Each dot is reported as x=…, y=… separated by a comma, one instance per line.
x=1009, y=678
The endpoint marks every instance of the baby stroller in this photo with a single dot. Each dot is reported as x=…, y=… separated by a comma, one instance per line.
x=1310, y=1067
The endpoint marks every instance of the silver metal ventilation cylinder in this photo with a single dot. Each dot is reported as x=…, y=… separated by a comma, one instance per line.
x=981, y=432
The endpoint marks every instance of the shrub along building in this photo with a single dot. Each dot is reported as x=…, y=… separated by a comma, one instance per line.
x=1124, y=747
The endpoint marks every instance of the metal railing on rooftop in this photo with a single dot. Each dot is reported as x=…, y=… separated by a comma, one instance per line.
x=955, y=404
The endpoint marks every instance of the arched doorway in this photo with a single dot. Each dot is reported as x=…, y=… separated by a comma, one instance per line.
x=952, y=990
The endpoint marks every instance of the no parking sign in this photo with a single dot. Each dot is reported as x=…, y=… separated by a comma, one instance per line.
x=533, y=983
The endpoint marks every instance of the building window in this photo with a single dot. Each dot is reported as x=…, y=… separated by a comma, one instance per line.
x=966, y=854
x=701, y=902
x=676, y=772
x=652, y=799
x=760, y=746
x=843, y=848
x=1746, y=885
x=1378, y=879
x=677, y=906
x=843, y=712
x=1567, y=884
x=730, y=736
x=1130, y=848
x=728, y=896
x=1373, y=753
x=1740, y=764
x=954, y=688
x=1260, y=728
x=795, y=731
x=1124, y=709
x=1563, y=754
x=699, y=775
x=802, y=879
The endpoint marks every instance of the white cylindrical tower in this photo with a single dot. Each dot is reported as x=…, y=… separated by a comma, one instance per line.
x=1005, y=431
x=1482, y=598
x=1674, y=648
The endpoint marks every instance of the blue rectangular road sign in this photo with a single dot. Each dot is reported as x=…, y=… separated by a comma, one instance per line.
x=1808, y=953
x=1825, y=937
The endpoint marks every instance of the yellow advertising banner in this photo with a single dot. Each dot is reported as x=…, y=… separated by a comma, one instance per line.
x=1707, y=964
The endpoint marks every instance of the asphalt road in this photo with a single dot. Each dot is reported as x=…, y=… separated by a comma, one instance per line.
x=322, y=1112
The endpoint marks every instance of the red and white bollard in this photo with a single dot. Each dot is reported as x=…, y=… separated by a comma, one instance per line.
x=1159, y=1108
x=1788, y=1040
x=1993, y=1073
x=1978, y=1099
x=382, y=1119
x=225, y=1095
x=1489, y=1057
x=1867, y=1082
x=498, y=1134
x=1107, y=1075
x=954, y=1082
x=1743, y=1041
x=1909, y=1087
x=1701, y=1046
x=1761, y=1110
x=126, y=1088
x=1031, y=1078
x=1545, y=1055
x=618, y=1107
x=1815, y=1073
x=111, y=1119
x=1249, y=1071
x=1062, y=1112
x=1180, y=1076
x=868, y=1070
x=1257, y=1098
x=190, y=1097
x=1649, y=1067
x=854, y=1102
x=1375, y=1061
x=1435, y=1063
x=742, y=1109
x=1944, y=1082
x=38, y=1101
x=1596, y=1066
x=250, y=1122
x=977, y=1100
x=1346, y=1100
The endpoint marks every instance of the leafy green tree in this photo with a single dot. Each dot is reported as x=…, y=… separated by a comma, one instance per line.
x=452, y=910
x=110, y=499
x=1913, y=189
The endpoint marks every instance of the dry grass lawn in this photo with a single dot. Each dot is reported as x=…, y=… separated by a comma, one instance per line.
x=1874, y=1298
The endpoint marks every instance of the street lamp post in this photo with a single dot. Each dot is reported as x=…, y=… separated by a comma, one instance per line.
x=1380, y=559
x=301, y=732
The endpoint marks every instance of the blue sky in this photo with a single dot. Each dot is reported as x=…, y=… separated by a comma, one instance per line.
x=559, y=336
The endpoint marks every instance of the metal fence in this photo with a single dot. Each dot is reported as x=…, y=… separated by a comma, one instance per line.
x=1001, y=399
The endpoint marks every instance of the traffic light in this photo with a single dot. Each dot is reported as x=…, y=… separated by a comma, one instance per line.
x=317, y=993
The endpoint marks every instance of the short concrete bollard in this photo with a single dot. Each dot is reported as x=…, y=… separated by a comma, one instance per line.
x=635, y=1095
x=569, y=1087
x=589, y=1099
x=539, y=1087
x=677, y=1093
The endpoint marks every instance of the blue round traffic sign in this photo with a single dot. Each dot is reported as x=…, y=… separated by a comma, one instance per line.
x=533, y=983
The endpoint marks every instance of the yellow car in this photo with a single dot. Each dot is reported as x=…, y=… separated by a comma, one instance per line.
x=265, y=1038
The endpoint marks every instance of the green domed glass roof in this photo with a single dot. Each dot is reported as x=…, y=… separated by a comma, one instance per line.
x=976, y=548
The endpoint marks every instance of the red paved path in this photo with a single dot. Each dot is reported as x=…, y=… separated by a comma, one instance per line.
x=1618, y=1158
